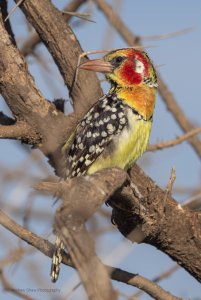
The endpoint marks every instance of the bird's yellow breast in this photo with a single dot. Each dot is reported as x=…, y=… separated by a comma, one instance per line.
x=126, y=148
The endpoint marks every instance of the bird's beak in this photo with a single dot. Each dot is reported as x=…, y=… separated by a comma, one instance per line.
x=97, y=65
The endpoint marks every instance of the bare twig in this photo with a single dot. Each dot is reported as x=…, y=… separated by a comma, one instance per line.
x=158, y=278
x=14, y=9
x=9, y=288
x=166, y=35
x=156, y=293
x=13, y=256
x=171, y=181
x=166, y=273
x=73, y=289
x=174, y=142
x=178, y=114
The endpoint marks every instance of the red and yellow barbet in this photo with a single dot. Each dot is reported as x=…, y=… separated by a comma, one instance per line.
x=115, y=131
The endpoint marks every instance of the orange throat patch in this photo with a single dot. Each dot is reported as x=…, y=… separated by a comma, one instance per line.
x=140, y=98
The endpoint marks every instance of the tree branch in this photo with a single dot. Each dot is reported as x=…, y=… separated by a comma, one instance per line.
x=31, y=43
x=20, y=131
x=81, y=198
x=3, y=8
x=177, y=141
x=26, y=103
x=9, y=288
x=161, y=276
x=16, y=83
x=65, y=50
x=143, y=284
x=143, y=207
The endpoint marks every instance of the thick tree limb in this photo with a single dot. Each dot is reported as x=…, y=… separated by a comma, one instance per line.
x=3, y=8
x=65, y=49
x=81, y=198
x=31, y=43
x=93, y=274
x=175, y=230
x=26, y=103
x=93, y=191
x=16, y=83
x=165, y=93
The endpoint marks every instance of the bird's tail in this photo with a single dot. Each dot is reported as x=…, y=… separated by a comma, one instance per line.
x=56, y=259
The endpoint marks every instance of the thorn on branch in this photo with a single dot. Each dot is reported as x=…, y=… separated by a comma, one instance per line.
x=83, y=16
x=170, y=184
x=4, y=11
x=13, y=9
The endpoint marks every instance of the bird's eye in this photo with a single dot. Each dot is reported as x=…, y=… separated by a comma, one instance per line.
x=117, y=60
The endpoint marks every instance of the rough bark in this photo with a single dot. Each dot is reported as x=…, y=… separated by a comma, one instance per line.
x=65, y=49
x=49, y=128
x=145, y=213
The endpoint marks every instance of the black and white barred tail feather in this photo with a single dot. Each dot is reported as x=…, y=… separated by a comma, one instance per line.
x=56, y=259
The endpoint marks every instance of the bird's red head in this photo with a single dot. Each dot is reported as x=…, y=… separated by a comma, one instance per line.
x=132, y=76
x=125, y=67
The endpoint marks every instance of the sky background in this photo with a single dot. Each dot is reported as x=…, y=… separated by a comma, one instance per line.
x=179, y=62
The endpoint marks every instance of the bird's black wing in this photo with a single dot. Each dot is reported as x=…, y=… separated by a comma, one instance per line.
x=95, y=131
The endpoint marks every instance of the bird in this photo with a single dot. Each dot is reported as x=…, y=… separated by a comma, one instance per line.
x=115, y=131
